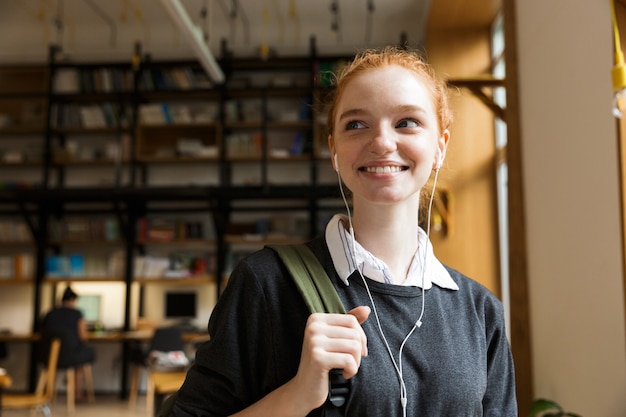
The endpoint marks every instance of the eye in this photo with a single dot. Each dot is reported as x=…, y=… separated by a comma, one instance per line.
x=408, y=123
x=354, y=124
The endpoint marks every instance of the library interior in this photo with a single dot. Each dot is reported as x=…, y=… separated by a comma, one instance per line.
x=147, y=147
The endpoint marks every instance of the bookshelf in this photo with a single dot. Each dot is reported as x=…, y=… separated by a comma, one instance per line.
x=148, y=176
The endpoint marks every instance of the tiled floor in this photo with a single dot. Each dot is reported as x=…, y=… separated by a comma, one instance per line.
x=104, y=406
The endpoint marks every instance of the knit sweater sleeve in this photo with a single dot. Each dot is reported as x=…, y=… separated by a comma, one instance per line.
x=256, y=334
x=500, y=398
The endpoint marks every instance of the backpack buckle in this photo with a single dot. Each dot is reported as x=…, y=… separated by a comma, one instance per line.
x=339, y=388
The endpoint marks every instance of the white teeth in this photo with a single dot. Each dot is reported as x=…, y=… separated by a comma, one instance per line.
x=383, y=170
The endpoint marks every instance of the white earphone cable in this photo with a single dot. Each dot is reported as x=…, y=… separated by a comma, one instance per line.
x=418, y=322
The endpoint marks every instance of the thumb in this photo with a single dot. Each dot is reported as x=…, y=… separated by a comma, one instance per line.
x=361, y=313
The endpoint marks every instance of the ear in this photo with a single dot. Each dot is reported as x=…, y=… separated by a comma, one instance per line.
x=333, y=152
x=442, y=147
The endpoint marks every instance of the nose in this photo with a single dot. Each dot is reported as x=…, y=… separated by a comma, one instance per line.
x=383, y=141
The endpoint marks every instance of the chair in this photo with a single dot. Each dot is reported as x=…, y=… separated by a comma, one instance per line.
x=40, y=401
x=162, y=385
x=68, y=361
x=159, y=381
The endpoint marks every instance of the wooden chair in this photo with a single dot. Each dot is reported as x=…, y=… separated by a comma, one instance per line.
x=39, y=401
x=164, y=339
x=66, y=362
x=161, y=384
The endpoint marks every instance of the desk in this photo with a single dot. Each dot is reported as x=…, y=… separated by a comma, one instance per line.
x=125, y=338
x=5, y=381
x=105, y=336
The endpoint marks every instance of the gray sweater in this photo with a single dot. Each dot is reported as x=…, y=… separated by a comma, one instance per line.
x=457, y=364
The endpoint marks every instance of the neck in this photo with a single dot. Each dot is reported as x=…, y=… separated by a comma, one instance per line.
x=390, y=233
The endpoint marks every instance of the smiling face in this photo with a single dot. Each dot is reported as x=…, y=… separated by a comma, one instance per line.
x=386, y=134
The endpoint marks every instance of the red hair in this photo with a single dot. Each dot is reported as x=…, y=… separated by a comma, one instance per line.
x=391, y=55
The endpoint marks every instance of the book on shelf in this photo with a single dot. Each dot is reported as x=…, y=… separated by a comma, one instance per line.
x=19, y=266
x=297, y=146
x=76, y=229
x=87, y=116
x=157, y=229
x=78, y=265
x=174, y=265
x=66, y=81
x=178, y=78
x=84, y=229
x=181, y=78
x=244, y=145
x=24, y=264
x=7, y=267
x=92, y=116
x=168, y=230
x=169, y=113
x=14, y=232
x=91, y=80
x=151, y=114
x=150, y=266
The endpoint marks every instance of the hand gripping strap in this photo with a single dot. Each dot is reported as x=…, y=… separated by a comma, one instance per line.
x=320, y=296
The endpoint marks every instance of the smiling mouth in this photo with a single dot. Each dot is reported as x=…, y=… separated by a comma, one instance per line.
x=383, y=170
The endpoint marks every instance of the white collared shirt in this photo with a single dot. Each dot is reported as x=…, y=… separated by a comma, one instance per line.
x=340, y=245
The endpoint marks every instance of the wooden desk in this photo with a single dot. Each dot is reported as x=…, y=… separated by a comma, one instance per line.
x=19, y=337
x=5, y=381
x=104, y=336
x=125, y=338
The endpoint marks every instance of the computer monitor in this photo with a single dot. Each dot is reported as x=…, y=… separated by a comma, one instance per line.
x=180, y=305
x=91, y=307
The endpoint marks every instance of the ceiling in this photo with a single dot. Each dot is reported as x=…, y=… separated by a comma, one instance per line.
x=101, y=28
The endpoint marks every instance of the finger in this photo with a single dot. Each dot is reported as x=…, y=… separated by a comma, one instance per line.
x=361, y=313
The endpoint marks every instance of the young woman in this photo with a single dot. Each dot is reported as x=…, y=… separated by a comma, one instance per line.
x=419, y=339
x=67, y=322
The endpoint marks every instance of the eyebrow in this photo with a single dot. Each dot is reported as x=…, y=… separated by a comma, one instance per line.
x=351, y=113
x=404, y=108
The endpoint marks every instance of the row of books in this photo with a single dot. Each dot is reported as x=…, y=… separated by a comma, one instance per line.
x=14, y=231
x=85, y=229
x=93, y=80
x=244, y=145
x=19, y=266
x=241, y=145
x=86, y=266
x=169, y=113
x=170, y=230
x=175, y=265
x=89, y=115
x=177, y=78
x=121, y=79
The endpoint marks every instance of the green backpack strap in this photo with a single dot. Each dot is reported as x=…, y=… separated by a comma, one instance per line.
x=321, y=297
x=313, y=283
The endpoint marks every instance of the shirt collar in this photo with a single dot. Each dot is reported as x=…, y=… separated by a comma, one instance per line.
x=340, y=245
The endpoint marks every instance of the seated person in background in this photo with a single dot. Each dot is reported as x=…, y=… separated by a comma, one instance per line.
x=68, y=321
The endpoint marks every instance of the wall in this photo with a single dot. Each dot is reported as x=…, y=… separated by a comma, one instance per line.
x=469, y=169
x=572, y=206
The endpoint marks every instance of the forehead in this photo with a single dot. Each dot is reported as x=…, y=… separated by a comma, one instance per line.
x=392, y=85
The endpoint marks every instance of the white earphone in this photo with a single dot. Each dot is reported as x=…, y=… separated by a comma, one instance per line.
x=439, y=160
x=418, y=323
